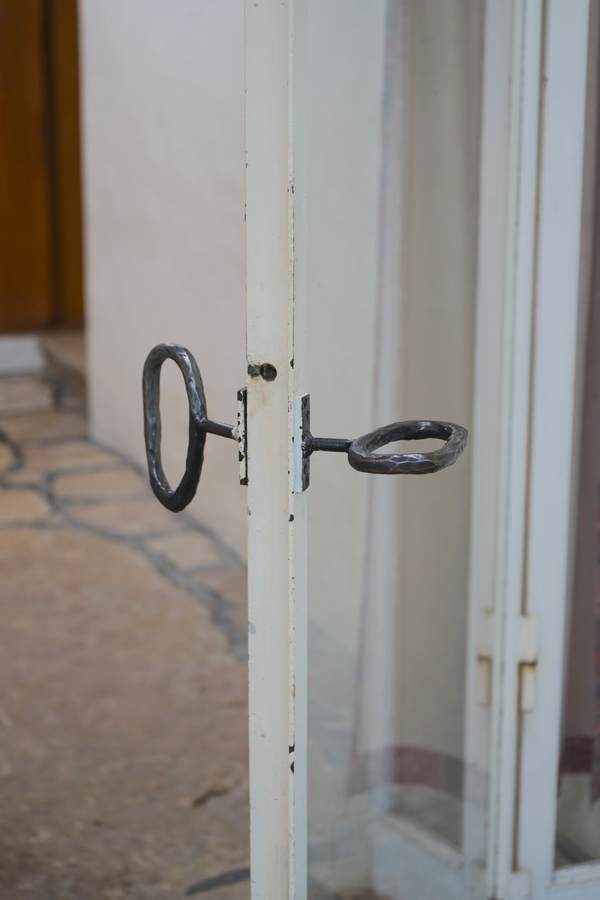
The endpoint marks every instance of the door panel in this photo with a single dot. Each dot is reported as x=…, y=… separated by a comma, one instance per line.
x=25, y=237
x=560, y=586
x=415, y=182
x=555, y=368
x=41, y=269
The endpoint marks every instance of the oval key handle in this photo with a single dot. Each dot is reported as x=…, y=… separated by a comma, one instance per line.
x=362, y=457
x=199, y=424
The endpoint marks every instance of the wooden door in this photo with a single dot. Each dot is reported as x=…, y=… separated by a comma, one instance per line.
x=40, y=204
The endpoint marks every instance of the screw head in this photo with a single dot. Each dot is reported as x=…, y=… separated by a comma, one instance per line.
x=268, y=372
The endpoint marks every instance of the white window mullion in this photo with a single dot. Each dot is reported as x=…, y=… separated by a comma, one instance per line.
x=553, y=421
x=514, y=417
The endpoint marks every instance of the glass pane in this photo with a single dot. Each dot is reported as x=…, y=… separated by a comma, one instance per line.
x=578, y=812
x=396, y=800
x=578, y=809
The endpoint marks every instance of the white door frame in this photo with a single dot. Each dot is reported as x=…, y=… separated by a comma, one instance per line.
x=528, y=292
x=506, y=285
x=529, y=273
x=276, y=336
x=553, y=445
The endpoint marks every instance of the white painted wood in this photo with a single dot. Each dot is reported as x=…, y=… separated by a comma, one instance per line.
x=515, y=185
x=506, y=253
x=514, y=437
x=488, y=424
x=554, y=370
x=276, y=335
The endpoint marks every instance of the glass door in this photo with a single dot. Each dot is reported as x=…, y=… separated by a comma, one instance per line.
x=558, y=724
x=397, y=769
x=415, y=173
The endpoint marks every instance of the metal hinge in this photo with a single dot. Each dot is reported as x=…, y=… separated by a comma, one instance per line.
x=527, y=657
x=529, y=640
x=485, y=655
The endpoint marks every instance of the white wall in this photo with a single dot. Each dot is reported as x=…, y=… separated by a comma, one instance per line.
x=163, y=155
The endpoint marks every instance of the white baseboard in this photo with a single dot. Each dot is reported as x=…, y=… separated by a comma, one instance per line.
x=20, y=353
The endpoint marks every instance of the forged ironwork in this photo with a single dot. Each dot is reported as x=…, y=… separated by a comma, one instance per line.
x=199, y=425
x=361, y=451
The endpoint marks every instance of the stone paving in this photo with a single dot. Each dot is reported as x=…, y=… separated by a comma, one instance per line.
x=123, y=719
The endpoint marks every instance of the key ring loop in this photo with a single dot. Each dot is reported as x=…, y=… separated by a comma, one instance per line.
x=177, y=499
x=362, y=457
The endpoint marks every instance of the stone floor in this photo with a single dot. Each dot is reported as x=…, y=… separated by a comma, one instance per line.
x=123, y=722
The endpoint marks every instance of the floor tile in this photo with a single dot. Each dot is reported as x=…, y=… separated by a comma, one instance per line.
x=22, y=506
x=123, y=715
x=230, y=583
x=105, y=484
x=6, y=456
x=127, y=517
x=232, y=586
x=67, y=455
x=48, y=426
x=24, y=477
x=187, y=550
x=24, y=395
x=116, y=687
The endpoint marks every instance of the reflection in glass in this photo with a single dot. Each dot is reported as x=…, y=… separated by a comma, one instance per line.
x=397, y=783
x=578, y=814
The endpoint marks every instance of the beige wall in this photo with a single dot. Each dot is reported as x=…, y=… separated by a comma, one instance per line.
x=162, y=124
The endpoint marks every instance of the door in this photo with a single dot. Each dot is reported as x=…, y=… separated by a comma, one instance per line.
x=557, y=724
x=419, y=237
x=41, y=279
